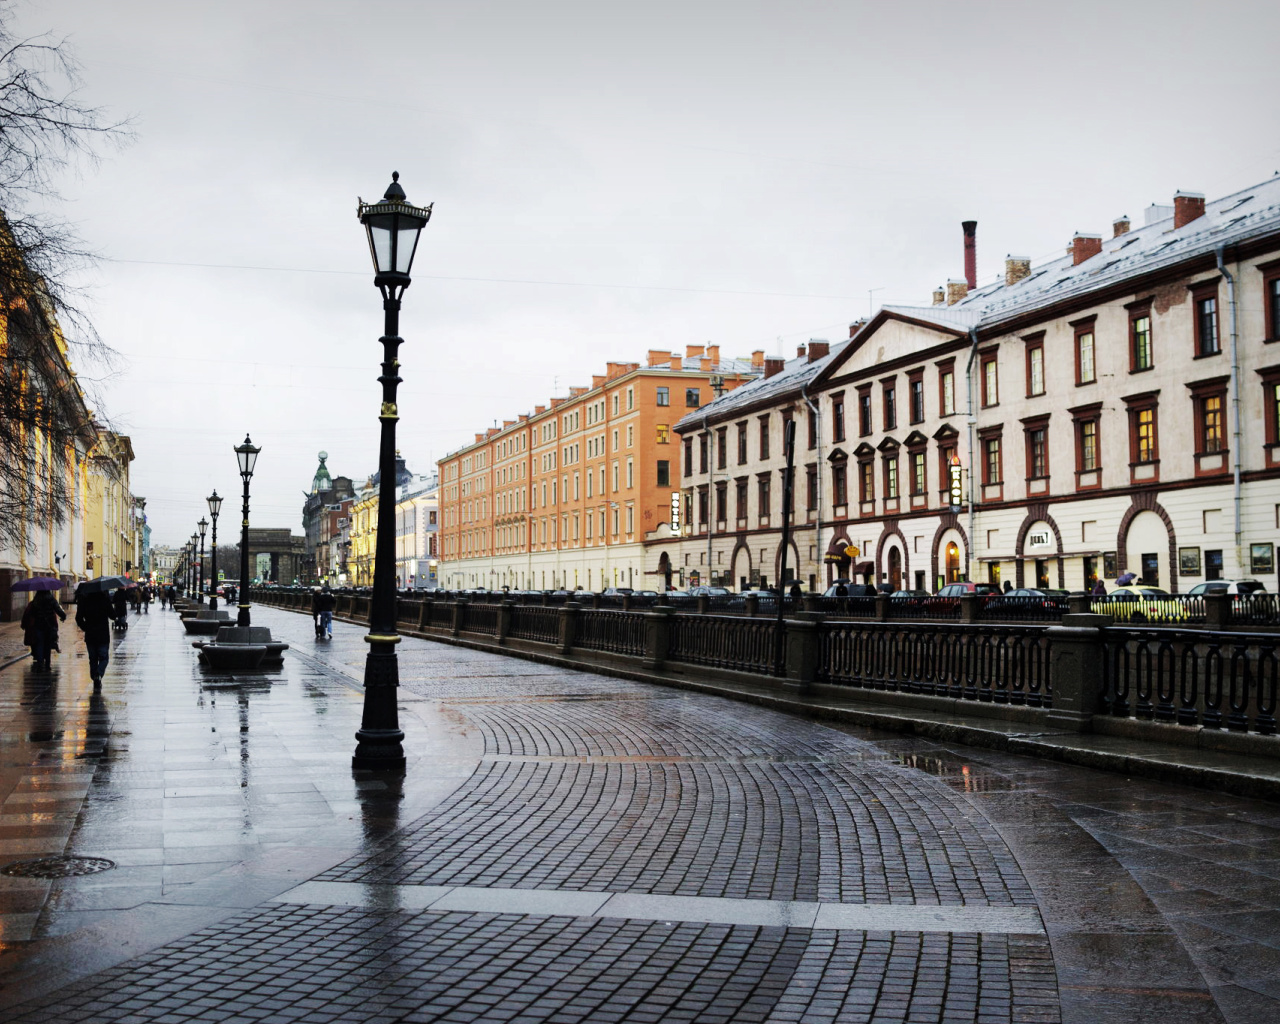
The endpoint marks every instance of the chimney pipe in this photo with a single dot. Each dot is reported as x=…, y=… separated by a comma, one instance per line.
x=939, y=298
x=1015, y=269
x=1120, y=226
x=970, y=253
x=1187, y=206
x=1084, y=247
x=956, y=290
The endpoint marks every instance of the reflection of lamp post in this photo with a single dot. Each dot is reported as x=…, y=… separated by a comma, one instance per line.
x=393, y=227
x=215, y=506
x=246, y=455
x=204, y=525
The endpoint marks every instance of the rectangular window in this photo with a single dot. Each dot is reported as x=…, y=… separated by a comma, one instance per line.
x=917, y=400
x=664, y=433
x=837, y=419
x=1271, y=284
x=702, y=504
x=692, y=398
x=1088, y=446
x=740, y=498
x=813, y=430
x=1035, y=369
x=811, y=490
x=891, y=477
x=631, y=475
x=990, y=381
x=991, y=461
x=631, y=399
x=1037, y=453
x=702, y=453
x=688, y=456
x=1211, y=424
x=764, y=438
x=864, y=414
x=763, y=488
x=664, y=473
x=890, y=408
x=722, y=501
x=1086, y=371
x=839, y=484
x=919, y=481
x=1140, y=353
x=866, y=482
x=664, y=396
x=1146, y=435
x=722, y=444
x=1207, y=326
x=742, y=444
x=947, y=387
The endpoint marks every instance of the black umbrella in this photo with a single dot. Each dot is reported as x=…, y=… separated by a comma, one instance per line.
x=38, y=583
x=101, y=584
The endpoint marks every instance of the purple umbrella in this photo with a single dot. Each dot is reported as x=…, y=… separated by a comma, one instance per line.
x=1124, y=579
x=38, y=583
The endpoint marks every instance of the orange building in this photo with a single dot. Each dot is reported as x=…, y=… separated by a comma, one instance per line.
x=566, y=495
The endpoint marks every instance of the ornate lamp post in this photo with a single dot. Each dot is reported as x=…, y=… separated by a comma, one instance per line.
x=393, y=226
x=246, y=455
x=215, y=506
x=204, y=525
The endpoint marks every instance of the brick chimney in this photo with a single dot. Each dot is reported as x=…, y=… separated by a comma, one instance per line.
x=1187, y=206
x=1084, y=246
x=970, y=253
x=856, y=326
x=538, y=410
x=757, y=358
x=713, y=353
x=956, y=290
x=818, y=350
x=1120, y=226
x=705, y=363
x=693, y=351
x=772, y=365
x=657, y=357
x=799, y=351
x=1015, y=269
x=677, y=363
x=939, y=298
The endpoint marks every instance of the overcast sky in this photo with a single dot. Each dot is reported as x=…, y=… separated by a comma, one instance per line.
x=607, y=178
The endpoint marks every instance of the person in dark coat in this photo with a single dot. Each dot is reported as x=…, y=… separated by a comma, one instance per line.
x=1099, y=588
x=796, y=592
x=323, y=604
x=94, y=614
x=1007, y=586
x=120, y=603
x=40, y=627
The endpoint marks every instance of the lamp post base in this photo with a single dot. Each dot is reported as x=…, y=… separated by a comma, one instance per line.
x=379, y=741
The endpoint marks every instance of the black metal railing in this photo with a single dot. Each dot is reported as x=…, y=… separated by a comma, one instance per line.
x=615, y=631
x=532, y=622
x=1007, y=608
x=440, y=614
x=722, y=641
x=1000, y=664
x=1192, y=677
x=480, y=618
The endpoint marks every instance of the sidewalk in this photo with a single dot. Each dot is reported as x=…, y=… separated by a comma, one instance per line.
x=568, y=846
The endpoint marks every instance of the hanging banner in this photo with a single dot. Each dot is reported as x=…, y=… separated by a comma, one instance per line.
x=675, y=512
x=957, y=485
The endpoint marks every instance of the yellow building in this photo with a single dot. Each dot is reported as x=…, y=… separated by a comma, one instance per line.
x=111, y=525
x=364, y=538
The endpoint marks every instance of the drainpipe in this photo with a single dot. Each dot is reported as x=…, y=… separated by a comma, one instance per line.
x=817, y=535
x=1236, y=432
x=972, y=422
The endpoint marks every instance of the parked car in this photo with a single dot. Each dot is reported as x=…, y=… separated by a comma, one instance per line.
x=705, y=591
x=1137, y=602
x=616, y=592
x=965, y=587
x=1228, y=587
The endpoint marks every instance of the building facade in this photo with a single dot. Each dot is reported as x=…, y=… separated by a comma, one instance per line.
x=326, y=492
x=417, y=534
x=566, y=495
x=1115, y=409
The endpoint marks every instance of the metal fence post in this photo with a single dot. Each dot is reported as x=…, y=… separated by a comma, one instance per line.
x=884, y=612
x=1217, y=611
x=459, y=611
x=970, y=607
x=803, y=654
x=751, y=604
x=504, y=620
x=424, y=614
x=568, y=625
x=1077, y=661
x=704, y=604
x=657, y=636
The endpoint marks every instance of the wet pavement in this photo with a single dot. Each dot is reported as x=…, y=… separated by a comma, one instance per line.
x=571, y=847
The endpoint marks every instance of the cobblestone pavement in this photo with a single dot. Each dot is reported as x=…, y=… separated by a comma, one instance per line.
x=571, y=847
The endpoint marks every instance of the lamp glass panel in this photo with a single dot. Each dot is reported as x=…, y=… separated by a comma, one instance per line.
x=381, y=229
x=215, y=504
x=247, y=457
x=408, y=242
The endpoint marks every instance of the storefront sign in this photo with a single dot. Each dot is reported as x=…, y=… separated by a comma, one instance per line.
x=1039, y=539
x=957, y=485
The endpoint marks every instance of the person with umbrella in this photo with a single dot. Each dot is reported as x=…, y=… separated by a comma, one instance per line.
x=40, y=618
x=93, y=615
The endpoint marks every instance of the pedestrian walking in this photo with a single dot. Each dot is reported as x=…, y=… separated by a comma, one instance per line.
x=120, y=609
x=144, y=599
x=796, y=592
x=322, y=605
x=1007, y=586
x=40, y=627
x=94, y=614
x=1099, y=589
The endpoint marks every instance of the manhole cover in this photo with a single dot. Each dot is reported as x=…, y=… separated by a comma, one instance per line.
x=58, y=867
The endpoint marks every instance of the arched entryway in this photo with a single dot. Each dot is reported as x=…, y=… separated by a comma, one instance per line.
x=895, y=568
x=1147, y=549
x=664, y=571
x=742, y=567
x=837, y=559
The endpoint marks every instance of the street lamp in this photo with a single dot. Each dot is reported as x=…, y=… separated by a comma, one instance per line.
x=204, y=525
x=246, y=455
x=393, y=226
x=215, y=506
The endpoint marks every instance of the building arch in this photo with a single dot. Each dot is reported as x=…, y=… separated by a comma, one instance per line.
x=1038, y=513
x=740, y=564
x=1145, y=501
x=949, y=521
x=837, y=562
x=884, y=545
x=793, y=562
